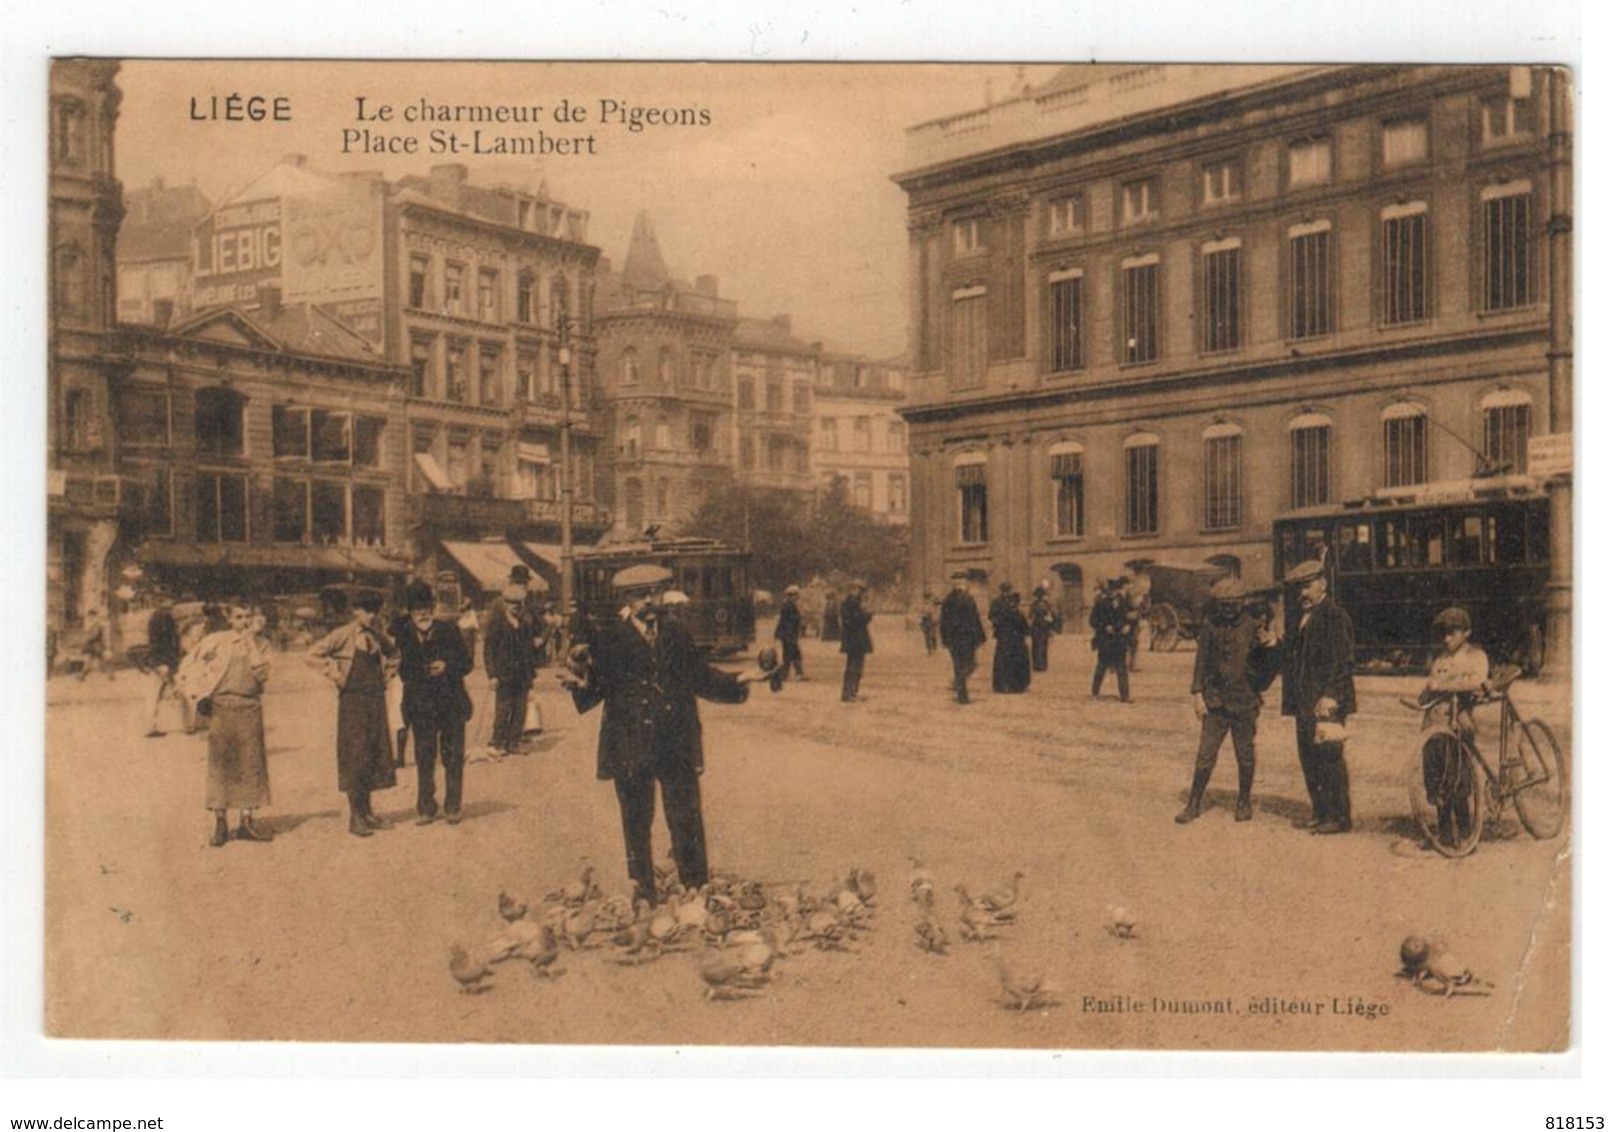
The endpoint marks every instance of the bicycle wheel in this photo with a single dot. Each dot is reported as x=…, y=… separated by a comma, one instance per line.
x=1447, y=795
x=1543, y=798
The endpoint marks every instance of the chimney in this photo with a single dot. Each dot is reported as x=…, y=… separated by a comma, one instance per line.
x=269, y=301
x=446, y=181
x=706, y=285
x=162, y=313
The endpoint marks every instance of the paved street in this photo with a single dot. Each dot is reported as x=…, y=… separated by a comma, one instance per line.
x=152, y=934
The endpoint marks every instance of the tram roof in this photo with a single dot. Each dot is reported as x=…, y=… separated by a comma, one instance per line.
x=639, y=548
x=1422, y=497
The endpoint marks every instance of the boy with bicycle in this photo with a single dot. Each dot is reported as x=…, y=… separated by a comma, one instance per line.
x=1461, y=670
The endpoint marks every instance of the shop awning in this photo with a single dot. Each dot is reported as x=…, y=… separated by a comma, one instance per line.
x=488, y=562
x=545, y=552
x=358, y=559
x=435, y=476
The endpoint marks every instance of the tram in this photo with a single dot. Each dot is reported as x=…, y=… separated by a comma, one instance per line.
x=716, y=577
x=1394, y=565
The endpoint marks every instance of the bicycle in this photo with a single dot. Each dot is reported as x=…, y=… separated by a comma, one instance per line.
x=1454, y=788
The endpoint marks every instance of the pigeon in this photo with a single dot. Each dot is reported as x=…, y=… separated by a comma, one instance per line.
x=514, y=940
x=861, y=883
x=1122, y=924
x=579, y=891
x=919, y=878
x=1023, y=993
x=469, y=973
x=1002, y=899
x=726, y=976
x=931, y=937
x=979, y=923
x=543, y=954
x=510, y=908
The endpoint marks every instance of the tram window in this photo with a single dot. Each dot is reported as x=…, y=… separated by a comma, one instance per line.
x=1468, y=542
x=1393, y=544
x=1355, y=547
x=690, y=583
x=1507, y=538
x=1428, y=540
x=725, y=582
x=1539, y=536
x=1302, y=545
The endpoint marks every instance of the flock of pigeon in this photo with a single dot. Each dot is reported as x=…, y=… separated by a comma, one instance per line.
x=740, y=929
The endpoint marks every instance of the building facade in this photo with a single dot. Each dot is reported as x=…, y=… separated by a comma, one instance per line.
x=665, y=387
x=156, y=251
x=774, y=373
x=1157, y=308
x=859, y=435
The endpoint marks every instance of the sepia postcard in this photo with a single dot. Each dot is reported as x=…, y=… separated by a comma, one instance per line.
x=856, y=555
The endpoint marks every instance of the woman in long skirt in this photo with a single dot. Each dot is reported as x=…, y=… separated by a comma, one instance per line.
x=357, y=658
x=1011, y=665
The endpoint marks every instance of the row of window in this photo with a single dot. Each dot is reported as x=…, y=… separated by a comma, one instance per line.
x=703, y=372
x=463, y=371
x=778, y=454
x=702, y=435
x=304, y=511
x=862, y=435
x=1404, y=278
x=468, y=465
x=1506, y=424
x=1308, y=162
x=800, y=395
x=145, y=420
x=450, y=292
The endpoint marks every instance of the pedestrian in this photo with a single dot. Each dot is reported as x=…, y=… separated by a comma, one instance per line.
x=397, y=720
x=1319, y=692
x=927, y=622
x=961, y=633
x=1011, y=662
x=432, y=664
x=470, y=627
x=1461, y=670
x=788, y=632
x=1044, y=623
x=357, y=658
x=223, y=677
x=1236, y=660
x=648, y=672
x=509, y=655
x=829, y=630
x=1112, y=630
x=93, y=646
x=1134, y=604
x=161, y=663
x=855, y=640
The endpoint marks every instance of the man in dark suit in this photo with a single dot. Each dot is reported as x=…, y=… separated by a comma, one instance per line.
x=961, y=633
x=788, y=631
x=1112, y=632
x=855, y=640
x=648, y=671
x=509, y=652
x=433, y=663
x=1319, y=688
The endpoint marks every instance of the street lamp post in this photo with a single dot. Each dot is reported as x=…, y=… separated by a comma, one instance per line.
x=565, y=470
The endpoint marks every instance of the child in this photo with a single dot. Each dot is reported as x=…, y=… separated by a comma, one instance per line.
x=1462, y=669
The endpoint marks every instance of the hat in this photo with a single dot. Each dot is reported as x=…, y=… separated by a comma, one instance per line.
x=1041, y=587
x=367, y=599
x=519, y=573
x=1454, y=617
x=515, y=591
x=858, y=584
x=641, y=577
x=959, y=576
x=1303, y=573
x=674, y=597
x=419, y=596
x=791, y=591
x=1005, y=587
x=1227, y=589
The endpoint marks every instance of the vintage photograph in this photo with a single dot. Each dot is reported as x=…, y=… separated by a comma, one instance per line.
x=858, y=555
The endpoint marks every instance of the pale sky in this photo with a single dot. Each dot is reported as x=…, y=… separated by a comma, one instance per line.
x=786, y=196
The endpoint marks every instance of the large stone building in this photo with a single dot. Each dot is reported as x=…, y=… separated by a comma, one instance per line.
x=859, y=436
x=1156, y=308
x=665, y=352
x=774, y=372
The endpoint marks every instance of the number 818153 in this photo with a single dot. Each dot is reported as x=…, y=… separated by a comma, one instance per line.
x=1574, y=1124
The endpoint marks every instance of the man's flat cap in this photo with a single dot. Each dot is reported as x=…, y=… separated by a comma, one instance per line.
x=1227, y=589
x=1454, y=617
x=1303, y=573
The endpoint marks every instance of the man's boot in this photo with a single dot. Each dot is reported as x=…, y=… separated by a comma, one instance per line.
x=221, y=829
x=1195, y=798
x=1246, y=782
x=356, y=825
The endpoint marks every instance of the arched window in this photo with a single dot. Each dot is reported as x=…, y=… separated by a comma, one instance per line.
x=1223, y=477
x=1065, y=463
x=633, y=490
x=630, y=366
x=1506, y=430
x=1405, y=445
x=632, y=438
x=71, y=298
x=1142, y=483
x=1309, y=467
x=666, y=367
x=663, y=498
x=663, y=434
x=969, y=474
x=559, y=302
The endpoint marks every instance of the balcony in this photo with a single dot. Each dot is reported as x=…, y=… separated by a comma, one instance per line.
x=93, y=495
x=469, y=513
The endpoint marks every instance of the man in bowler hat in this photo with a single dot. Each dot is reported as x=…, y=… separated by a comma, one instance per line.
x=433, y=663
x=961, y=633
